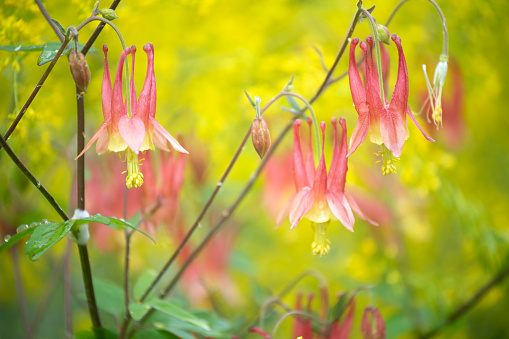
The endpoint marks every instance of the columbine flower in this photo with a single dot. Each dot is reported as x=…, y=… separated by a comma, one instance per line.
x=386, y=122
x=319, y=195
x=368, y=330
x=134, y=132
x=435, y=91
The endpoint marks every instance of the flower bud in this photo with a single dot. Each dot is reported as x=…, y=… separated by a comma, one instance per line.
x=108, y=14
x=79, y=70
x=368, y=330
x=383, y=34
x=260, y=136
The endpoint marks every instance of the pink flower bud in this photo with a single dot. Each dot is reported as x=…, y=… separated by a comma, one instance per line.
x=368, y=330
x=260, y=136
x=79, y=70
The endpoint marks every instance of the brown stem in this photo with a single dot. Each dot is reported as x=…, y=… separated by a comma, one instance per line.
x=50, y=22
x=469, y=304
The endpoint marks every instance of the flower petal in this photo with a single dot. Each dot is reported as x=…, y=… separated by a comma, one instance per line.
x=339, y=163
x=299, y=171
x=160, y=129
x=284, y=211
x=132, y=88
x=310, y=160
x=399, y=98
x=360, y=132
x=106, y=87
x=411, y=116
x=118, y=108
x=357, y=209
x=302, y=203
x=356, y=86
x=341, y=209
x=100, y=133
x=392, y=130
x=132, y=131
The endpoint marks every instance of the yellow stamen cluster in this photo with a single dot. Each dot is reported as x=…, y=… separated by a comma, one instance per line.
x=388, y=161
x=134, y=176
x=321, y=244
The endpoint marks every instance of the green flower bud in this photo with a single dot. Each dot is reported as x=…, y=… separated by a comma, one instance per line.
x=108, y=14
x=383, y=34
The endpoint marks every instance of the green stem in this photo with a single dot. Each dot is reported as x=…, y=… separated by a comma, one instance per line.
x=445, y=32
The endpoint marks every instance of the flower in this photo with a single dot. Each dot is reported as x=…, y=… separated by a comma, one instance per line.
x=386, y=122
x=435, y=91
x=134, y=132
x=319, y=195
x=368, y=331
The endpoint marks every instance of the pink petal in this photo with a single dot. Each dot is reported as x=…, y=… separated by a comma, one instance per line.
x=341, y=209
x=343, y=330
x=299, y=171
x=400, y=95
x=144, y=103
x=132, y=131
x=392, y=130
x=411, y=116
x=102, y=142
x=357, y=209
x=356, y=86
x=174, y=143
x=360, y=131
x=320, y=180
x=302, y=203
x=106, y=87
x=118, y=108
x=132, y=88
x=100, y=133
x=339, y=163
x=310, y=160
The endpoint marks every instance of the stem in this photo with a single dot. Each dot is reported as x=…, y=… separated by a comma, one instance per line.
x=50, y=22
x=19, y=289
x=97, y=31
x=445, y=33
x=89, y=287
x=288, y=314
x=127, y=235
x=342, y=49
x=35, y=91
x=33, y=180
x=67, y=290
x=104, y=21
x=461, y=310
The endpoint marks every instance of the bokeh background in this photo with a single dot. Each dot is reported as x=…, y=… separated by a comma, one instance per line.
x=443, y=216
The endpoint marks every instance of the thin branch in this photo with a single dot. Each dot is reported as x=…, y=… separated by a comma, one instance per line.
x=20, y=289
x=97, y=31
x=35, y=91
x=469, y=304
x=50, y=22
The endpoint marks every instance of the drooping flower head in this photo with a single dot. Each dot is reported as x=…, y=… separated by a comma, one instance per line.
x=320, y=197
x=372, y=325
x=130, y=126
x=386, y=122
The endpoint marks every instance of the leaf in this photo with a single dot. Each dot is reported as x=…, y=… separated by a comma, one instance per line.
x=60, y=27
x=291, y=100
x=121, y=223
x=250, y=100
x=154, y=334
x=45, y=236
x=110, y=297
x=339, y=308
x=174, y=311
x=19, y=48
x=103, y=333
x=51, y=49
x=16, y=238
x=143, y=282
x=111, y=222
x=138, y=310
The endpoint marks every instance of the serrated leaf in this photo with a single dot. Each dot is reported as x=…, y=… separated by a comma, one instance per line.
x=60, y=27
x=45, y=236
x=16, y=238
x=143, y=282
x=175, y=311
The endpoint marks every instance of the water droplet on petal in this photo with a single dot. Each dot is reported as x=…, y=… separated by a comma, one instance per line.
x=7, y=237
x=21, y=228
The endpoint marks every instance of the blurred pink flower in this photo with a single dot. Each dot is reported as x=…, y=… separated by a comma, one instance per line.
x=368, y=330
x=385, y=122
x=319, y=195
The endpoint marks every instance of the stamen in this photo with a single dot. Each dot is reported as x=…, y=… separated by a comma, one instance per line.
x=321, y=244
x=388, y=161
x=134, y=176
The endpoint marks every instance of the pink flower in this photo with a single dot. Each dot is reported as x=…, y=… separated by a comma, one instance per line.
x=320, y=196
x=368, y=331
x=385, y=122
x=134, y=132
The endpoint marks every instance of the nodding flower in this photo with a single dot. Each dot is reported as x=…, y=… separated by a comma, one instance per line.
x=130, y=129
x=386, y=122
x=320, y=196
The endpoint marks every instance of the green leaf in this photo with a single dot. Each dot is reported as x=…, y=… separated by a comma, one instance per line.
x=16, y=238
x=154, y=334
x=293, y=102
x=143, y=282
x=110, y=298
x=137, y=310
x=45, y=236
x=19, y=48
x=339, y=308
x=60, y=27
x=95, y=218
x=175, y=311
x=111, y=222
x=103, y=333
x=50, y=51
